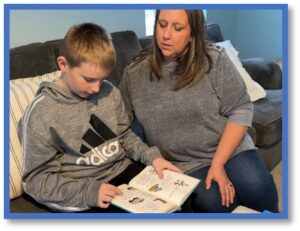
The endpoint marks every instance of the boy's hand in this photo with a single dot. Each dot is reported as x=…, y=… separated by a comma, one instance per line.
x=106, y=193
x=159, y=164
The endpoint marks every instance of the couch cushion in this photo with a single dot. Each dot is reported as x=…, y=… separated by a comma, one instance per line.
x=25, y=204
x=146, y=41
x=22, y=91
x=40, y=58
x=127, y=47
x=213, y=33
x=267, y=118
x=254, y=90
x=267, y=73
x=31, y=60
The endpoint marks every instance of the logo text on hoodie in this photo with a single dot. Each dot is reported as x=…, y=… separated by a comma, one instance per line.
x=101, y=134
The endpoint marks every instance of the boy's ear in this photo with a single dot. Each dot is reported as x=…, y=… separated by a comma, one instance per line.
x=62, y=63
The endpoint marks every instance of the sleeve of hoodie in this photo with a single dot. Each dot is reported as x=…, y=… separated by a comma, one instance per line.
x=135, y=148
x=235, y=103
x=42, y=178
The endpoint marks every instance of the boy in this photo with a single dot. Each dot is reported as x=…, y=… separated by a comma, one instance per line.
x=76, y=135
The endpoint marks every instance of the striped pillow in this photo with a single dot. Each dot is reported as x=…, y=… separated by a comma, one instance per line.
x=22, y=92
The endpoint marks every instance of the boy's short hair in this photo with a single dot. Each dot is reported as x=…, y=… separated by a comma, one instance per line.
x=90, y=43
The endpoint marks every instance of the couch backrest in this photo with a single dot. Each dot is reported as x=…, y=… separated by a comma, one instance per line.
x=40, y=58
x=127, y=47
x=33, y=59
x=214, y=33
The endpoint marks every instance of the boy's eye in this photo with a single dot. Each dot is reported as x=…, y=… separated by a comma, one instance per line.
x=89, y=80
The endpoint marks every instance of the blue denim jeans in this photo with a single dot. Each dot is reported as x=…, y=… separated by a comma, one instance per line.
x=253, y=184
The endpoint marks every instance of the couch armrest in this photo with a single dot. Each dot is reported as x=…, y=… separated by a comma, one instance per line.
x=267, y=73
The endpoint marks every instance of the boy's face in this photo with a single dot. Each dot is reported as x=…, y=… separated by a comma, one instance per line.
x=84, y=80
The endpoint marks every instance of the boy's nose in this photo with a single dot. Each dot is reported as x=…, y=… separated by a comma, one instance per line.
x=95, y=87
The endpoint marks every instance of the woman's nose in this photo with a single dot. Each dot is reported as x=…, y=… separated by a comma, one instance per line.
x=167, y=33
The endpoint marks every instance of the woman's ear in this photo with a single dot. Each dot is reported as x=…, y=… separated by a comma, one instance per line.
x=62, y=63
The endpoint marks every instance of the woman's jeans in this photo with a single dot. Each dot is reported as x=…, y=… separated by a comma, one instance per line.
x=254, y=186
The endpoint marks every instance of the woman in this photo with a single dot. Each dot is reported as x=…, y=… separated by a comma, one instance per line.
x=193, y=105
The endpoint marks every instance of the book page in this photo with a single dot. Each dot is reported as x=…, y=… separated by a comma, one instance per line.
x=174, y=187
x=136, y=201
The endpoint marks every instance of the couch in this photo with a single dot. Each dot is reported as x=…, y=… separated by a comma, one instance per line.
x=38, y=59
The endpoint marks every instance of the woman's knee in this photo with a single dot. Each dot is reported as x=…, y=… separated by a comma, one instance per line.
x=257, y=186
x=262, y=198
x=249, y=174
x=209, y=201
x=254, y=184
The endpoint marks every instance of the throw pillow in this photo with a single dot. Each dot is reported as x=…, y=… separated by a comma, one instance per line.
x=22, y=92
x=254, y=90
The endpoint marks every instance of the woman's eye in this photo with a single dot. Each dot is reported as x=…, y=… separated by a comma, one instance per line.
x=178, y=28
x=162, y=24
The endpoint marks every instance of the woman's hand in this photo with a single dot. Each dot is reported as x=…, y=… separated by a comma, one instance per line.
x=218, y=174
x=159, y=164
x=106, y=193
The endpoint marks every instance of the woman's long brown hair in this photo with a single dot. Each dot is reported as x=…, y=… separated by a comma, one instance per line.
x=193, y=64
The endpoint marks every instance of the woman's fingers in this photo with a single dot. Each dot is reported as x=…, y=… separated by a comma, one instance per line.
x=232, y=190
x=230, y=194
x=227, y=192
x=223, y=194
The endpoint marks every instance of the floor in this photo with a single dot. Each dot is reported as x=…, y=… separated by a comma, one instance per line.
x=277, y=175
x=277, y=171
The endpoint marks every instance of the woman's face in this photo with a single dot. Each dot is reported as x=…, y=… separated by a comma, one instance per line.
x=173, y=32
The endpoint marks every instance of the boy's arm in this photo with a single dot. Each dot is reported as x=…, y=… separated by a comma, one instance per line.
x=44, y=181
x=135, y=148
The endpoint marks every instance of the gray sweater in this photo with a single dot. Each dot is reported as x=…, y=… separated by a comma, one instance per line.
x=72, y=145
x=186, y=125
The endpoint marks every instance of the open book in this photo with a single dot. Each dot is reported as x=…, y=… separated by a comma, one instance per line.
x=147, y=193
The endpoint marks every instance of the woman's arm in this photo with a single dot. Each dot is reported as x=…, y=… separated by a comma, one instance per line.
x=236, y=106
x=232, y=136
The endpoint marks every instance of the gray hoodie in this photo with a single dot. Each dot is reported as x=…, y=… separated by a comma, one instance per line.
x=72, y=145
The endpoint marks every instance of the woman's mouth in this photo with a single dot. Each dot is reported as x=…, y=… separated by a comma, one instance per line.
x=165, y=46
